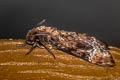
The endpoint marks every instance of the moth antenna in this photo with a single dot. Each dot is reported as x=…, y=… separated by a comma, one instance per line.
x=41, y=22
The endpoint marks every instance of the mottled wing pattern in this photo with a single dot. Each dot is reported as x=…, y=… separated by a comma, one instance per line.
x=83, y=46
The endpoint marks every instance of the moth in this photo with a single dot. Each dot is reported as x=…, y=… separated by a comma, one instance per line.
x=79, y=45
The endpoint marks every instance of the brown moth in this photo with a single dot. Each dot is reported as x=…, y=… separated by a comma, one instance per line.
x=82, y=46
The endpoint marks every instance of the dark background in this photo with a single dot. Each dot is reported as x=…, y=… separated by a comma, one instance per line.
x=100, y=18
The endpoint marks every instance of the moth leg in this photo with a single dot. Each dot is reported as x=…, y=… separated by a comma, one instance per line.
x=49, y=51
x=44, y=34
x=40, y=46
x=32, y=48
x=51, y=42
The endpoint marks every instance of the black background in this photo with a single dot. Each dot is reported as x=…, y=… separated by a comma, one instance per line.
x=100, y=18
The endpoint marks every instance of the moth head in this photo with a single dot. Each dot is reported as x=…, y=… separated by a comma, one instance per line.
x=30, y=38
